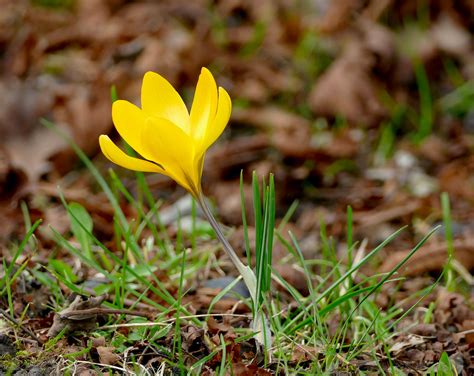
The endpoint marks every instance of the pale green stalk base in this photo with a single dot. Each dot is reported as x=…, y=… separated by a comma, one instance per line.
x=259, y=323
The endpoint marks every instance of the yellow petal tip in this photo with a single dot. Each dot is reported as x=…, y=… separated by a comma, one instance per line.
x=103, y=138
x=117, y=106
x=149, y=73
x=207, y=72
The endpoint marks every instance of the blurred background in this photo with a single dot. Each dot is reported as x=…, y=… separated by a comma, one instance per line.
x=362, y=103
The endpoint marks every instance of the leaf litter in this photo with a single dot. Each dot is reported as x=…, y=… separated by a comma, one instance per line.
x=326, y=95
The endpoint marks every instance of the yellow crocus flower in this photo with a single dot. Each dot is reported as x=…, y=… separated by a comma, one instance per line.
x=172, y=141
x=169, y=139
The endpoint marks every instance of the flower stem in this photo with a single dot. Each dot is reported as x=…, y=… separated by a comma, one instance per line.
x=260, y=324
x=227, y=247
x=247, y=274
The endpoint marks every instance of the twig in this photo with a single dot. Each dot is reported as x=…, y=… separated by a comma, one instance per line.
x=102, y=311
x=24, y=328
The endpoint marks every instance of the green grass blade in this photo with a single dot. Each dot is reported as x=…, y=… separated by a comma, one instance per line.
x=244, y=219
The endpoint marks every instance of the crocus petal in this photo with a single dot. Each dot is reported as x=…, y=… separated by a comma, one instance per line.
x=204, y=104
x=129, y=121
x=161, y=100
x=170, y=145
x=218, y=124
x=117, y=156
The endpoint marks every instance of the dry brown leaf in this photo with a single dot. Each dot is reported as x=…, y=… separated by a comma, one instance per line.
x=408, y=341
x=98, y=341
x=338, y=15
x=303, y=353
x=216, y=327
x=230, y=156
x=84, y=370
x=432, y=257
x=12, y=180
x=193, y=340
x=294, y=277
x=269, y=118
x=27, y=145
x=36, y=150
x=242, y=369
x=452, y=309
x=456, y=178
x=347, y=89
x=81, y=322
x=451, y=37
x=228, y=199
x=107, y=355
x=203, y=299
x=290, y=133
x=382, y=214
x=33, y=154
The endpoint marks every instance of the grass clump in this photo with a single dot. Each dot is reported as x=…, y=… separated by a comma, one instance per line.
x=337, y=326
